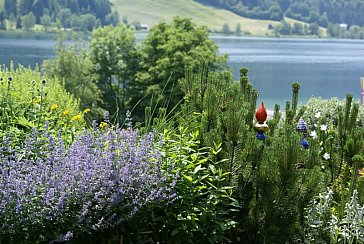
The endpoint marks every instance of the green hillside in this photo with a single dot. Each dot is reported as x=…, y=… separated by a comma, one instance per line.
x=321, y=12
x=151, y=12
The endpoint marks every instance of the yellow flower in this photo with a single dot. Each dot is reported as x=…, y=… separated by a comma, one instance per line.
x=37, y=100
x=87, y=110
x=103, y=125
x=54, y=107
x=65, y=113
x=361, y=172
x=76, y=117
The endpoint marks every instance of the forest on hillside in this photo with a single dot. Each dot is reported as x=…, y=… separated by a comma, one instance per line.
x=322, y=12
x=81, y=15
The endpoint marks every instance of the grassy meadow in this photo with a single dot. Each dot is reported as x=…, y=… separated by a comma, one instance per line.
x=151, y=12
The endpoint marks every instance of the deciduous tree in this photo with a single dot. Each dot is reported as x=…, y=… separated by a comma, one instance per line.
x=166, y=53
x=28, y=21
x=112, y=51
x=76, y=70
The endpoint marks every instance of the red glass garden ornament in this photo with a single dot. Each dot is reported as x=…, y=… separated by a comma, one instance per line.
x=261, y=114
x=261, y=126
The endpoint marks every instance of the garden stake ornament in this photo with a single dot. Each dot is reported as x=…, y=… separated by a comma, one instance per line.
x=261, y=126
x=302, y=128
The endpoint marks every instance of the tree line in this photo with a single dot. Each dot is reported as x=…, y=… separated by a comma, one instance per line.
x=81, y=15
x=118, y=75
x=321, y=12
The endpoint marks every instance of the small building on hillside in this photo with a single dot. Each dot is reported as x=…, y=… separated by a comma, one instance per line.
x=144, y=27
x=343, y=26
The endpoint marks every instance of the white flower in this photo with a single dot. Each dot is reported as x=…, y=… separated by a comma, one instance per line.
x=324, y=127
x=318, y=115
x=313, y=134
x=326, y=156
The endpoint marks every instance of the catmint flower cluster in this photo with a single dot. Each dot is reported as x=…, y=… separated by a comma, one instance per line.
x=52, y=192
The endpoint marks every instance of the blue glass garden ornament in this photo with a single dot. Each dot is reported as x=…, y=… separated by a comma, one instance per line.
x=305, y=143
x=302, y=128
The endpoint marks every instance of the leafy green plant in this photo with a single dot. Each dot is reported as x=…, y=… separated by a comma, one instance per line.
x=165, y=54
x=320, y=110
x=29, y=101
x=324, y=226
x=280, y=178
x=223, y=111
x=338, y=127
x=202, y=211
x=73, y=67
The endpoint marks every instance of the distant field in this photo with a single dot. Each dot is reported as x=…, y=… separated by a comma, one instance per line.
x=151, y=12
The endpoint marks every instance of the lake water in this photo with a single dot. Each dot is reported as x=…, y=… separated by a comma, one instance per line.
x=324, y=68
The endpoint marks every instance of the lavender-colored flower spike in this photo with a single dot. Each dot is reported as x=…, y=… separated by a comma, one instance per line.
x=102, y=179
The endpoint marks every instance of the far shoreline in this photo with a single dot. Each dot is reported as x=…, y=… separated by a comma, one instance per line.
x=14, y=34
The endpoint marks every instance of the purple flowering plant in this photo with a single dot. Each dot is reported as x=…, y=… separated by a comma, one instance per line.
x=51, y=192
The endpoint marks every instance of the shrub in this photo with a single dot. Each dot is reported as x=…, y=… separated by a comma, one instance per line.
x=28, y=101
x=324, y=226
x=203, y=209
x=338, y=128
x=51, y=193
x=318, y=109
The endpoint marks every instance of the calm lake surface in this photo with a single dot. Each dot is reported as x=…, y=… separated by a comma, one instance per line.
x=324, y=68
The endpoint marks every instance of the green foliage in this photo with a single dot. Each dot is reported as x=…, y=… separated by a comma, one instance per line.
x=324, y=226
x=226, y=29
x=353, y=32
x=339, y=126
x=267, y=181
x=286, y=177
x=46, y=21
x=261, y=9
x=277, y=178
x=76, y=70
x=113, y=54
x=297, y=29
x=284, y=28
x=332, y=11
x=225, y=111
x=231, y=186
x=76, y=14
x=166, y=53
x=203, y=212
x=326, y=110
x=133, y=77
x=28, y=21
x=29, y=101
x=314, y=12
x=319, y=11
x=238, y=30
x=314, y=29
x=203, y=209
